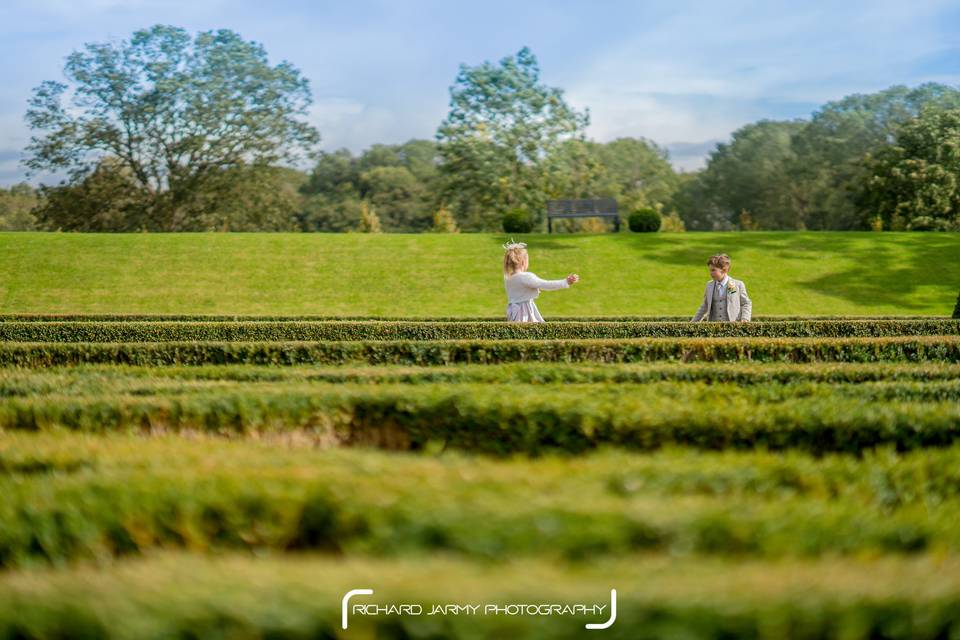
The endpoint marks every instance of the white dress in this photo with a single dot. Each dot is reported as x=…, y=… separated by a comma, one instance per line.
x=522, y=288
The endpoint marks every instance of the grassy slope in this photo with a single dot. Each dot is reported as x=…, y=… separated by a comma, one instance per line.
x=431, y=275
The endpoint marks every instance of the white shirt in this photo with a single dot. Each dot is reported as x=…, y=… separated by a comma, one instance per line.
x=523, y=286
x=723, y=285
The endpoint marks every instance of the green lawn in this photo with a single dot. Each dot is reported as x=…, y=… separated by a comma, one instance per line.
x=459, y=275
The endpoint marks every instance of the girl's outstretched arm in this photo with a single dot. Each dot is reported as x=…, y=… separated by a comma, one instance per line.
x=531, y=280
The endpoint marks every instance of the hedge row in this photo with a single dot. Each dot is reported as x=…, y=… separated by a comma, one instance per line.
x=84, y=317
x=503, y=420
x=331, y=331
x=99, y=379
x=28, y=383
x=322, y=502
x=437, y=352
x=298, y=598
x=878, y=479
x=82, y=518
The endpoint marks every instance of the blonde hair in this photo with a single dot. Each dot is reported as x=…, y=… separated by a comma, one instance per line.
x=720, y=261
x=513, y=260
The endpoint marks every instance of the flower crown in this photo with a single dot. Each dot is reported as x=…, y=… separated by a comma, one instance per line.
x=514, y=245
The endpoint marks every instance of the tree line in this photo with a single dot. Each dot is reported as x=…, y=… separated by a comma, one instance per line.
x=172, y=132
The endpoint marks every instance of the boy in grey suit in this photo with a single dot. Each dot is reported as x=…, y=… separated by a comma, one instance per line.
x=725, y=299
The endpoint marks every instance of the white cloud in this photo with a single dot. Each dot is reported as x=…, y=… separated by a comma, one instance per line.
x=344, y=122
x=351, y=123
x=690, y=156
x=702, y=72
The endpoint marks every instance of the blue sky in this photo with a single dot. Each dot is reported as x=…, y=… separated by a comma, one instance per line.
x=685, y=74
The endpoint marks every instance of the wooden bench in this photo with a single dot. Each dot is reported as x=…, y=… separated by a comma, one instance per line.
x=588, y=208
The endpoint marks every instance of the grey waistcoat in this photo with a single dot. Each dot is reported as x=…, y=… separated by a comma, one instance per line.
x=718, y=306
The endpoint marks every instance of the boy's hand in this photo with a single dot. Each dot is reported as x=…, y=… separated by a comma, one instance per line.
x=572, y=278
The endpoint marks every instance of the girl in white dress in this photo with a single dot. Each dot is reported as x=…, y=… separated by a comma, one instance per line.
x=522, y=286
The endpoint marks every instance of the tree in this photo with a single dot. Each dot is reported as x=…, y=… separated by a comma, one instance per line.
x=16, y=207
x=399, y=180
x=369, y=221
x=695, y=203
x=573, y=170
x=503, y=124
x=672, y=223
x=174, y=112
x=829, y=152
x=915, y=182
x=419, y=157
x=323, y=213
x=638, y=172
x=335, y=174
x=747, y=179
x=399, y=198
x=250, y=198
x=332, y=193
x=107, y=199
x=444, y=222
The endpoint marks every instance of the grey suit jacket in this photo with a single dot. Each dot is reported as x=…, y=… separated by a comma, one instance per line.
x=739, y=305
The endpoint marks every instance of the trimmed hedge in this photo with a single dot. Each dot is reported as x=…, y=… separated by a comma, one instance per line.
x=68, y=317
x=328, y=331
x=442, y=352
x=128, y=514
x=645, y=220
x=925, y=391
x=882, y=478
x=517, y=220
x=500, y=419
x=84, y=379
x=298, y=598
x=121, y=504
x=939, y=384
x=956, y=309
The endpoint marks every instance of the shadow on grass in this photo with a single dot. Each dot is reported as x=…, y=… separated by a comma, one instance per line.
x=887, y=272
x=536, y=241
x=889, y=278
